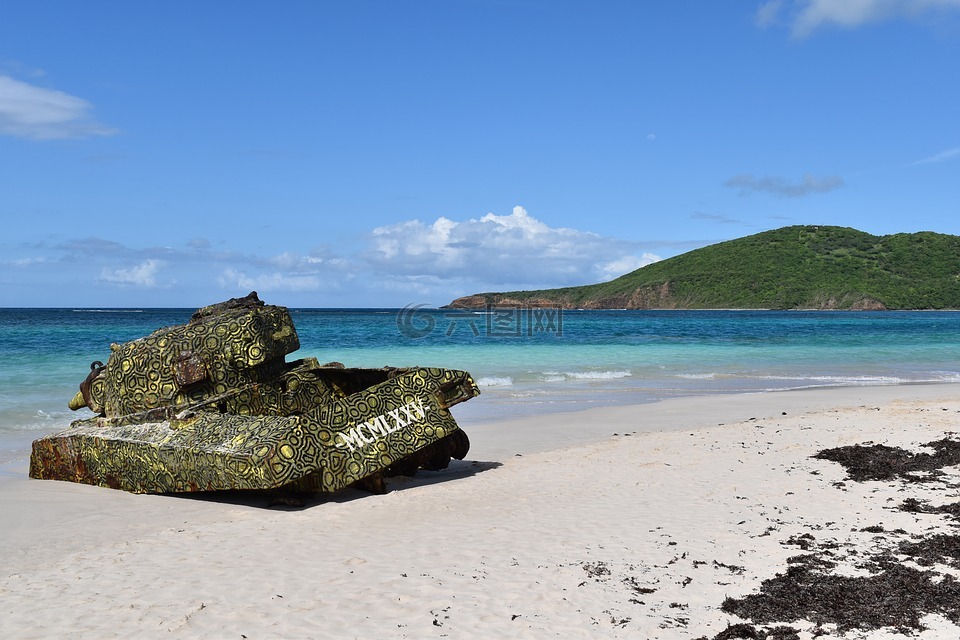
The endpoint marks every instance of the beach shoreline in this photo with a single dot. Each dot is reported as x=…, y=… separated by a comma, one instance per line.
x=624, y=521
x=539, y=433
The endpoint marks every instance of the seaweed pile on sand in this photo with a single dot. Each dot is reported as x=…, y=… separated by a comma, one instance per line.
x=892, y=588
x=880, y=462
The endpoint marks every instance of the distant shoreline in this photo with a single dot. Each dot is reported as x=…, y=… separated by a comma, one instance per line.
x=738, y=309
x=101, y=309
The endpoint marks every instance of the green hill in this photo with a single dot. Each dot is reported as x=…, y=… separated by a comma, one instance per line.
x=799, y=267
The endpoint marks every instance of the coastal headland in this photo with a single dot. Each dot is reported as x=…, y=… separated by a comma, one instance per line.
x=796, y=267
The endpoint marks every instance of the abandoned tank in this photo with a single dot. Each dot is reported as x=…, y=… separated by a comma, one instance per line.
x=213, y=405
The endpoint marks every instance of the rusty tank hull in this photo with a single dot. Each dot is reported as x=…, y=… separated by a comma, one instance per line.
x=213, y=405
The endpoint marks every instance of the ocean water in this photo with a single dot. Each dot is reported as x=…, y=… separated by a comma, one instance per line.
x=524, y=361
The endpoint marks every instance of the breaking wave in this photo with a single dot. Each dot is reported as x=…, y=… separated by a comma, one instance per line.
x=557, y=376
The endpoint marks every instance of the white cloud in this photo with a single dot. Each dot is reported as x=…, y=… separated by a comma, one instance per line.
x=26, y=262
x=806, y=16
x=317, y=262
x=410, y=261
x=768, y=13
x=626, y=264
x=287, y=260
x=270, y=282
x=748, y=183
x=515, y=250
x=943, y=156
x=29, y=111
x=143, y=274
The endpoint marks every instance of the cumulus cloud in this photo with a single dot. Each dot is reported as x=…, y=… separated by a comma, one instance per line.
x=439, y=260
x=626, y=264
x=29, y=111
x=142, y=275
x=318, y=261
x=747, y=183
x=806, y=16
x=510, y=249
x=109, y=262
x=271, y=282
x=943, y=156
x=319, y=271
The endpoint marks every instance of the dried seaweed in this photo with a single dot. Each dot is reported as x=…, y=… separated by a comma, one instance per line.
x=880, y=462
x=805, y=541
x=749, y=631
x=895, y=595
x=782, y=633
x=912, y=505
x=896, y=598
x=739, y=631
x=941, y=548
x=597, y=571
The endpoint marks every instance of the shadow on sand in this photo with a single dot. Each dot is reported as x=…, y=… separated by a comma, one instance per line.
x=286, y=500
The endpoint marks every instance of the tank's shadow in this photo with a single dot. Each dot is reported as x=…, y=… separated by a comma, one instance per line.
x=281, y=500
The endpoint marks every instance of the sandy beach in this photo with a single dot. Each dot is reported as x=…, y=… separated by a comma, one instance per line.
x=634, y=522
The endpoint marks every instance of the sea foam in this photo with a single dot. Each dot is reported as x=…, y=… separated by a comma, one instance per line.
x=495, y=381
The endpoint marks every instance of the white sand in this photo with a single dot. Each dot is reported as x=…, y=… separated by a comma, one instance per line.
x=552, y=543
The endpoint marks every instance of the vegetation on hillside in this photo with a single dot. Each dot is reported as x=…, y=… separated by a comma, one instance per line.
x=798, y=267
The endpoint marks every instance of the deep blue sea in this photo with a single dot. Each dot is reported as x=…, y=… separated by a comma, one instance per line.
x=524, y=361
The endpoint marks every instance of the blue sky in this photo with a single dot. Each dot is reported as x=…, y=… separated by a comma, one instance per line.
x=385, y=153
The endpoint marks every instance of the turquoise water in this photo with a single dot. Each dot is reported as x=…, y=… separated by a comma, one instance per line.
x=524, y=362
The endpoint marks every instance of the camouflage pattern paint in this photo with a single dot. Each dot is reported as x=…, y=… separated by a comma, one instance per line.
x=212, y=405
